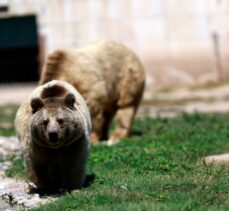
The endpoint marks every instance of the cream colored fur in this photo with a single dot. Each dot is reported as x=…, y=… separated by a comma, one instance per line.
x=109, y=76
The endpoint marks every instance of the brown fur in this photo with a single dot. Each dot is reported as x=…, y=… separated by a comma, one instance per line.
x=109, y=76
x=53, y=126
x=54, y=91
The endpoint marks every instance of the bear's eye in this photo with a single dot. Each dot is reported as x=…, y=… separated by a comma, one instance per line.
x=45, y=123
x=60, y=121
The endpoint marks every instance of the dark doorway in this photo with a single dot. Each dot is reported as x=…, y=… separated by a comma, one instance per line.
x=18, y=49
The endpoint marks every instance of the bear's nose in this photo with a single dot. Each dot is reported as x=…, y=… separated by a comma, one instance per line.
x=53, y=137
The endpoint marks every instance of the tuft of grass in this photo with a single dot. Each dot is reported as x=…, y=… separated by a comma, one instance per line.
x=158, y=168
x=17, y=169
x=7, y=116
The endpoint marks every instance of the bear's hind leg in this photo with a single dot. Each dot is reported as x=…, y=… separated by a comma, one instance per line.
x=97, y=126
x=124, y=121
x=108, y=116
x=100, y=126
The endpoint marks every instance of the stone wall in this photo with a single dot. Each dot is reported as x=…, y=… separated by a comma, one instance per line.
x=180, y=42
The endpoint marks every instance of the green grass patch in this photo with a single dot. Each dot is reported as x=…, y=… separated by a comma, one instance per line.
x=7, y=116
x=17, y=169
x=158, y=168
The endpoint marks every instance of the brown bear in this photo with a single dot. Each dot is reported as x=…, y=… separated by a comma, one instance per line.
x=109, y=76
x=53, y=126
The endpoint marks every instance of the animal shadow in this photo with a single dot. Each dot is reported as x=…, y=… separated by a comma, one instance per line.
x=89, y=179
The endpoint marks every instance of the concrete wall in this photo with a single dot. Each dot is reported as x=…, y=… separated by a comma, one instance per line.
x=181, y=42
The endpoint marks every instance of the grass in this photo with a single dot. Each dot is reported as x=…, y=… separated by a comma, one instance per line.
x=7, y=116
x=158, y=168
x=17, y=169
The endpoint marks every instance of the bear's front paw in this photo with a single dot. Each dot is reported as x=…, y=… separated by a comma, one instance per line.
x=112, y=141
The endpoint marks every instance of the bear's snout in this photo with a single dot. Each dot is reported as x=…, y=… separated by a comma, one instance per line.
x=52, y=129
x=53, y=137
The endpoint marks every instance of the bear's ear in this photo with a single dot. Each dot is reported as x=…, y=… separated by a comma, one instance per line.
x=36, y=104
x=69, y=100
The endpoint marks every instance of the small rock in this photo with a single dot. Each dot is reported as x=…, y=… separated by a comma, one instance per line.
x=14, y=193
x=5, y=165
x=3, y=153
x=11, y=143
x=8, y=198
x=222, y=159
x=9, y=146
x=2, y=141
x=124, y=187
x=4, y=206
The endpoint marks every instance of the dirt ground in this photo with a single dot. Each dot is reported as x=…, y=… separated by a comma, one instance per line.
x=205, y=99
x=213, y=99
x=15, y=93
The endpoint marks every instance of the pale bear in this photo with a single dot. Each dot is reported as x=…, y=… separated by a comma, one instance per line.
x=53, y=126
x=109, y=76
